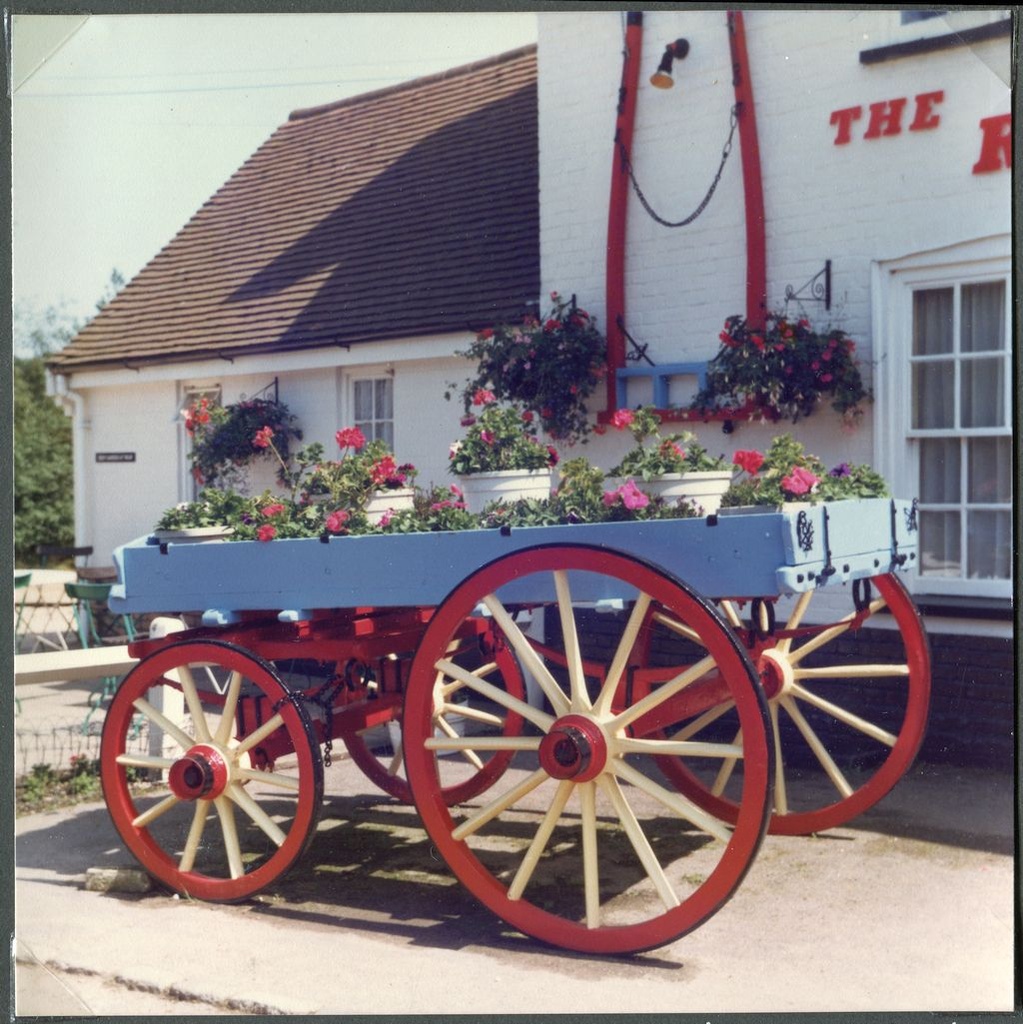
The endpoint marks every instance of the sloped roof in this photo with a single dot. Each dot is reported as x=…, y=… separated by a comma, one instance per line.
x=408, y=211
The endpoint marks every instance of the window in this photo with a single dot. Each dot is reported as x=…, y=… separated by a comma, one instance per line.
x=373, y=404
x=190, y=393
x=945, y=350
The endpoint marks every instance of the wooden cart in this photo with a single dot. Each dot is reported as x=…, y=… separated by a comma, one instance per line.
x=597, y=724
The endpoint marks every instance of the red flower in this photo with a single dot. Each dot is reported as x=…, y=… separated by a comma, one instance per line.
x=272, y=510
x=350, y=437
x=758, y=341
x=383, y=470
x=266, y=532
x=799, y=481
x=552, y=452
x=622, y=418
x=527, y=417
x=483, y=397
x=336, y=521
x=487, y=437
x=486, y=333
x=263, y=438
x=826, y=378
x=600, y=429
x=551, y=326
x=749, y=460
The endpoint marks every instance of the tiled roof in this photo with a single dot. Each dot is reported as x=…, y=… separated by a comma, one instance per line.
x=409, y=211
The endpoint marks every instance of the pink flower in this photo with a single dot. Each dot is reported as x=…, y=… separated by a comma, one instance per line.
x=826, y=378
x=336, y=521
x=266, y=532
x=799, y=481
x=467, y=421
x=552, y=454
x=262, y=438
x=749, y=460
x=385, y=519
x=622, y=418
x=350, y=437
x=483, y=397
x=486, y=437
x=457, y=491
x=383, y=470
x=272, y=510
x=629, y=495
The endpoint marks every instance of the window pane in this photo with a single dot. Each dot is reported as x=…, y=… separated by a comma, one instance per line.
x=982, y=393
x=932, y=321
x=384, y=399
x=983, y=317
x=939, y=544
x=939, y=471
x=989, y=544
x=990, y=470
x=363, y=399
x=933, y=394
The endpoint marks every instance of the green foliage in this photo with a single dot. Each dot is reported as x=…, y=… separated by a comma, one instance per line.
x=46, y=786
x=784, y=371
x=549, y=367
x=43, y=475
x=676, y=453
x=499, y=438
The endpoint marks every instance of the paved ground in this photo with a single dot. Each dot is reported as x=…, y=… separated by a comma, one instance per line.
x=911, y=907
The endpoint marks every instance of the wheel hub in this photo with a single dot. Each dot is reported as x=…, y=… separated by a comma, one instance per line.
x=575, y=748
x=775, y=673
x=201, y=773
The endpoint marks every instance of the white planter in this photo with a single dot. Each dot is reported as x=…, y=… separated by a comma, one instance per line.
x=194, y=535
x=382, y=502
x=762, y=510
x=705, y=488
x=507, y=485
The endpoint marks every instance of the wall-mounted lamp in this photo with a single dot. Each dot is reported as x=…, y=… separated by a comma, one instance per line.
x=661, y=78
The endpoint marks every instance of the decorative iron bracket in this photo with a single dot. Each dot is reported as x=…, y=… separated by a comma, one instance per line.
x=638, y=351
x=817, y=289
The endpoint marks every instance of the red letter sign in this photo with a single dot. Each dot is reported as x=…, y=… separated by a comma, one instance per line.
x=996, y=146
x=844, y=120
x=925, y=116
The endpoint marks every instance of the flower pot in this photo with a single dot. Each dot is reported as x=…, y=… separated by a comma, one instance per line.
x=506, y=485
x=193, y=535
x=761, y=510
x=705, y=487
x=382, y=502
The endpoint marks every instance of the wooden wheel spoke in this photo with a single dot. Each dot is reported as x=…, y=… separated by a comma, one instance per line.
x=202, y=809
x=500, y=804
x=700, y=723
x=476, y=714
x=727, y=768
x=467, y=752
x=832, y=632
x=622, y=654
x=529, y=657
x=154, y=812
x=540, y=840
x=662, y=693
x=639, y=841
x=256, y=813
x=144, y=761
x=673, y=801
x=446, y=689
x=795, y=617
x=831, y=769
x=277, y=779
x=229, y=831
x=781, y=799
x=579, y=699
x=482, y=743
x=728, y=610
x=195, y=708
x=591, y=871
x=254, y=738
x=842, y=715
x=496, y=694
x=159, y=718
x=234, y=689
x=679, y=748
x=852, y=672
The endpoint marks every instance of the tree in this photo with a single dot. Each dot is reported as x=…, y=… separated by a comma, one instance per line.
x=43, y=473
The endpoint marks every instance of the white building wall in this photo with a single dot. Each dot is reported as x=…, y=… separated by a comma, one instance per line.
x=855, y=203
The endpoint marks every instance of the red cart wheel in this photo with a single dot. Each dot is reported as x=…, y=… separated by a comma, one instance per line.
x=580, y=844
x=381, y=757
x=211, y=774
x=848, y=711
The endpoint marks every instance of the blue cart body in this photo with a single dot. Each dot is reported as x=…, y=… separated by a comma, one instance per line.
x=741, y=555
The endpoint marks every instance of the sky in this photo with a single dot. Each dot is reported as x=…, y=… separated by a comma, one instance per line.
x=124, y=125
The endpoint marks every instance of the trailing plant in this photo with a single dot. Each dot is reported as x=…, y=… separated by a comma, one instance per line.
x=549, y=366
x=434, y=510
x=783, y=371
x=653, y=455
x=498, y=438
x=788, y=473
x=211, y=508
x=222, y=437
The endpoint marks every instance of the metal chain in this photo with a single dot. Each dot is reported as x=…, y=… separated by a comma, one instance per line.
x=710, y=192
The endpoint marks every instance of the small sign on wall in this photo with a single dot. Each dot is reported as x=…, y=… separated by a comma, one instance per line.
x=115, y=456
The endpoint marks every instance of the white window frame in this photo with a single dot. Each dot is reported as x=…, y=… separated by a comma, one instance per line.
x=896, y=447
x=188, y=391
x=370, y=374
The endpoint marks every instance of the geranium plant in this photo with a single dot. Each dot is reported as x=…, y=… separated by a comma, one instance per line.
x=548, y=366
x=221, y=437
x=362, y=468
x=784, y=371
x=654, y=456
x=499, y=437
x=787, y=472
